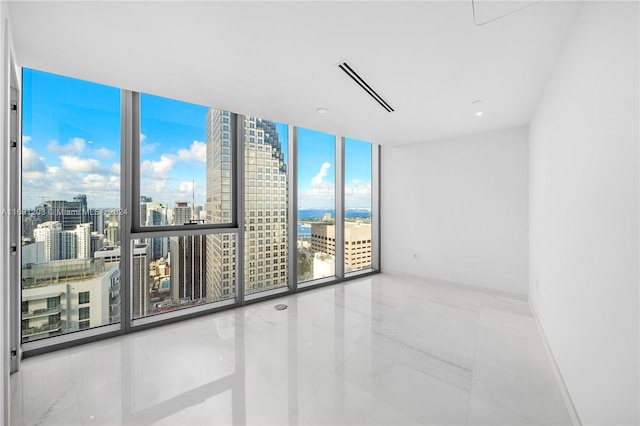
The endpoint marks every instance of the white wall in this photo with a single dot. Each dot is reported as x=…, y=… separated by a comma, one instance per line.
x=584, y=213
x=461, y=206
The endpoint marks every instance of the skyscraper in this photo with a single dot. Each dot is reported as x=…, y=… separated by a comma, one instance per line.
x=96, y=217
x=220, y=249
x=58, y=243
x=181, y=213
x=143, y=208
x=68, y=213
x=157, y=216
x=140, y=274
x=83, y=240
x=84, y=210
x=266, y=199
x=112, y=233
x=188, y=267
x=96, y=241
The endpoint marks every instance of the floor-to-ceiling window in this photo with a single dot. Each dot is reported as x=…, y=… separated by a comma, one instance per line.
x=316, y=243
x=138, y=208
x=266, y=187
x=185, y=182
x=357, y=196
x=70, y=205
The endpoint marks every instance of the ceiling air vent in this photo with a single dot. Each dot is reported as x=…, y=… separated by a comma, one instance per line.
x=365, y=86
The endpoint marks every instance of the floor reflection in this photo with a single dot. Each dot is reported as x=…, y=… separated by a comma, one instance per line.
x=377, y=350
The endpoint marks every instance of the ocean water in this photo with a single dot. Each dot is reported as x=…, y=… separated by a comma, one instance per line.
x=319, y=213
x=305, y=232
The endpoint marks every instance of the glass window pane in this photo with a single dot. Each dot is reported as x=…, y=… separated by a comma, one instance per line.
x=266, y=202
x=70, y=186
x=357, y=199
x=196, y=270
x=316, y=205
x=185, y=178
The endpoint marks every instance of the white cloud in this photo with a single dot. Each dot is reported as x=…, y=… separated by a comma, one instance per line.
x=158, y=169
x=186, y=187
x=115, y=168
x=358, y=189
x=79, y=165
x=26, y=139
x=322, y=193
x=33, y=177
x=57, y=183
x=317, y=181
x=104, y=153
x=197, y=152
x=157, y=189
x=93, y=180
x=358, y=194
x=100, y=182
x=31, y=161
x=75, y=146
x=146, y=147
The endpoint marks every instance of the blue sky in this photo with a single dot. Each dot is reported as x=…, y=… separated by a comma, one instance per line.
x=71, y=140
x=71, y=135
x=316, y=171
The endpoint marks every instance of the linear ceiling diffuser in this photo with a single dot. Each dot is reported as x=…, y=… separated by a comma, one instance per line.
x=351, y=73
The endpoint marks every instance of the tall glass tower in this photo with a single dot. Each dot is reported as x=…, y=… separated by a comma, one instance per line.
x=266, y=199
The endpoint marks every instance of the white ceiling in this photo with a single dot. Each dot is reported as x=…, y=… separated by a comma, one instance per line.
x=278, y=60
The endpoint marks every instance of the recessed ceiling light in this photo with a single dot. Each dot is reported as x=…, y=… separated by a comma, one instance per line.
x=322, y=110
x=479, y=113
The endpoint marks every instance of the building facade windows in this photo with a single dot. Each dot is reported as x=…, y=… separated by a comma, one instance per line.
x=83, y=313
x=84, y=297
x=220, y=208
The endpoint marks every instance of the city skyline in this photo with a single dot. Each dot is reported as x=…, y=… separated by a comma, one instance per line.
x=71, y=145
x=71, y=193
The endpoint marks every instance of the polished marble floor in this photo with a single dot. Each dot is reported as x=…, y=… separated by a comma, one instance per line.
x=378, y=350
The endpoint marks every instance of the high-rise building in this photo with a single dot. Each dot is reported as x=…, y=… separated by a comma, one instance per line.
x=140, y=284
x=112, y=229
x=196, y=212
x=58, y=243
x=357, y=243
x=68, y=213
x=143, y=208
x=84, y=210
x=266, y=247
x=182, y=213
x=140, y=274
x=220, y=249
x=83, y=240
x=68, y=295
x=157, y=216
x=96, y=242
x=188, y=267
x=112, y=233
x=96, y=217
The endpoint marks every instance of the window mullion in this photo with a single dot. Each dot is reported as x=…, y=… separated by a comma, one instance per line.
x=375, y=207
x=238, y=208
x=339, y=194
x=130, y=198
x=292, y=220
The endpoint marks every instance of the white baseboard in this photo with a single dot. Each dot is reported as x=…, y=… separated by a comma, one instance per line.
x=573, y=414
x=464, y=286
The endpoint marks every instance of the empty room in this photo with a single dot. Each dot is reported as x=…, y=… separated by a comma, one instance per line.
x=320, y=212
